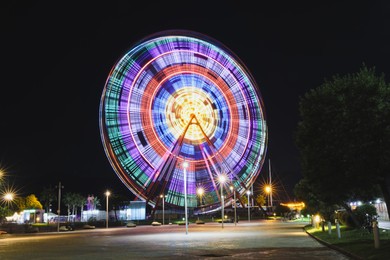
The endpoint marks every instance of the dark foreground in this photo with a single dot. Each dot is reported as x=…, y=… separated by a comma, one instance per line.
x=248, y=240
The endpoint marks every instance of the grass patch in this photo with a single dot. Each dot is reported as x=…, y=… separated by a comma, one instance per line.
x=355, y=241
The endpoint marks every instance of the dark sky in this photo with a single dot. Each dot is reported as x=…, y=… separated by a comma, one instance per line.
x=56, y=58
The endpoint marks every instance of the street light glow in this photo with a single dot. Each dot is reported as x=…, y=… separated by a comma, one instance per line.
x=185, y=165
x=9, y=196
x=222, y=178
x=200, y=191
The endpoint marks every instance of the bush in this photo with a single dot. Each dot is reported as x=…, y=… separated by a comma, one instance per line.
x=363, y=211
x=344, y=218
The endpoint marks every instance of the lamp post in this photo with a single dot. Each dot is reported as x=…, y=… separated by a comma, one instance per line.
x=249, y=212
x=221, y=182
x=185, y=165
x=163, y=200
x=200, y=192
x=107, y=195
x=235, y=207
x=268, y=190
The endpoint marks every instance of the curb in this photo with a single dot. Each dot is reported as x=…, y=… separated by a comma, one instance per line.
x=344, y=252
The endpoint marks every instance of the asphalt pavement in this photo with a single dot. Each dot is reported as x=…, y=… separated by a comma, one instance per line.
x=257, y=239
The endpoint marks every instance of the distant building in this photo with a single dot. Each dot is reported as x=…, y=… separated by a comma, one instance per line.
x=135, y=211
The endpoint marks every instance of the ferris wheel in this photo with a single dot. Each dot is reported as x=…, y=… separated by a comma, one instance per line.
x=180, y=103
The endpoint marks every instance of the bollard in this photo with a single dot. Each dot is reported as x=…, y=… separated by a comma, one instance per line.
x=329, y=227
x=338, y=229
x=375, y=231
x=313, y=223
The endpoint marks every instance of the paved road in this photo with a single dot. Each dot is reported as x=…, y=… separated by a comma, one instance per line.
x=247, y=240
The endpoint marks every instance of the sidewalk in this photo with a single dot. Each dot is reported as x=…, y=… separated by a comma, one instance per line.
x=385, y=224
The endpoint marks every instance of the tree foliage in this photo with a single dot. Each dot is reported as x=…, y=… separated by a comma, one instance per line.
x=47, y=196
x=32, y=202
x=73, y=201
x=344, y=139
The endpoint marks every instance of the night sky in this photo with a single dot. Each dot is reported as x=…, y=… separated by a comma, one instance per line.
x=56, y=58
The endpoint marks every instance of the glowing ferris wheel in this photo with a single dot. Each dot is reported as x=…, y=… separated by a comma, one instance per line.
x=180, y=96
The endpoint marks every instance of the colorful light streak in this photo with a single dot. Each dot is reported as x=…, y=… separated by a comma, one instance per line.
x=177, y=83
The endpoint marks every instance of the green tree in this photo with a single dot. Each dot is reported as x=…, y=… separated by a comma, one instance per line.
x=116, y=202
x=79, y=203
x=4, y=212
x=72, y=202
x=344, y=139
x=32, y=202
x=20, y=203
x=260, y=200
x=47, y=196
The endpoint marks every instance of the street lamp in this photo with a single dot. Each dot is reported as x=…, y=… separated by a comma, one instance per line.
x=9, y=196
x=249, y=213
x=235, y=206
x=163, y=202
x=107, y=195
x=185, y=165
x=222, y=180
x=268, y=190
x=200, y=192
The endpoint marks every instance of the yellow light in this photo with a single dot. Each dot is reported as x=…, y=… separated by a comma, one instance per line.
x=9, y=196
x=186, y=103
x=108, y=193
x=268, y=189
x=200, y=191
x=317, y=218
x=294, y=206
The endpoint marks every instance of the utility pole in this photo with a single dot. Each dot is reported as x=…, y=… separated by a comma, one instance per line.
x=59, y=206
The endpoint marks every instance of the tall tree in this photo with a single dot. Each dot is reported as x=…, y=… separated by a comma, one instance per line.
x=344, y=138
x=47, y=196
x=73, y=201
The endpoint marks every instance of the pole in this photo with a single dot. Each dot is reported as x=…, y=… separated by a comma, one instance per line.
x=270, y=182
x=375, y=231
x=163, y=208
x=252, y=203
x=185, y=194
x=107, y=194
x=338, y=229
x=59, y=207
x=249, y=213
x=222, y=205
x=235, y=208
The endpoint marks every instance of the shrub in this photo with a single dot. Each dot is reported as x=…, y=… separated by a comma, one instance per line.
x=363, y=211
